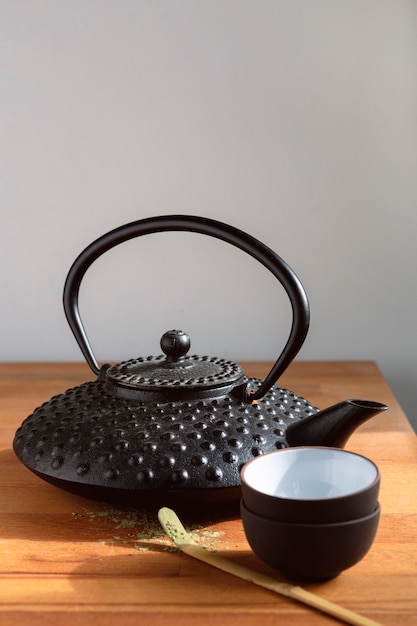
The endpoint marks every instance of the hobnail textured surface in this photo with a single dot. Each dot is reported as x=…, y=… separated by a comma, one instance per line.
x=89, y=436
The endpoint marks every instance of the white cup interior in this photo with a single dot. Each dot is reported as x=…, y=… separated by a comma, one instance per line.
x=310, y=473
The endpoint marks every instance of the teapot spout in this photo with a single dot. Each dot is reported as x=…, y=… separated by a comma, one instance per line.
x=333, y=426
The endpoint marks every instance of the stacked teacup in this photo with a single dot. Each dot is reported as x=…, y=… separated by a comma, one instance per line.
x=310, y=512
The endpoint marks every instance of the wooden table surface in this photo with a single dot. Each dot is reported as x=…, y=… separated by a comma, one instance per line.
x=66, y=560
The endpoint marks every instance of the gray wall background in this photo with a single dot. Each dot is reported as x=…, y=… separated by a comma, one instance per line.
x=293, y=120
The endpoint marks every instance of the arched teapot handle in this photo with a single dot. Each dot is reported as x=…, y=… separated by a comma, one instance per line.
x=206, y=226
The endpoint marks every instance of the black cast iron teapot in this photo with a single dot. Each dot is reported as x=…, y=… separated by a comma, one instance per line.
x=159, y=429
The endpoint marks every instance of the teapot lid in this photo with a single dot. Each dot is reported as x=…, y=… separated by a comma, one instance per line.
x=174, y=374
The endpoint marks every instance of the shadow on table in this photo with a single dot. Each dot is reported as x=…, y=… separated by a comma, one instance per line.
x=155, y=560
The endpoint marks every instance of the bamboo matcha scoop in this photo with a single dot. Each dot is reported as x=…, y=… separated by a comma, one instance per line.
x=176, y=531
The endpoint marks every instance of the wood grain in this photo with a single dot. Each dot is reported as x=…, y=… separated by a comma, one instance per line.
x=67, y=560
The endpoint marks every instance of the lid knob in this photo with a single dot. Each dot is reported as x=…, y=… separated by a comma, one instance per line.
x=173, y=376
x=175, y=344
